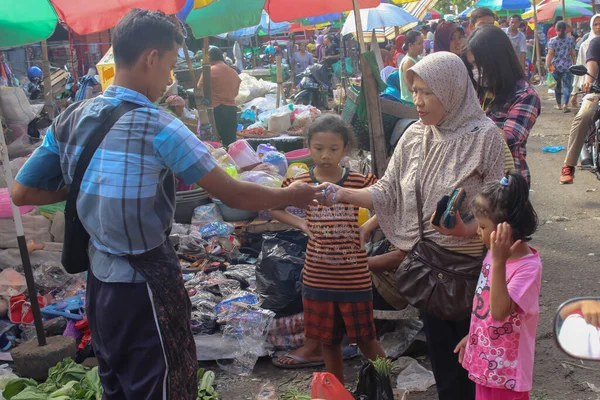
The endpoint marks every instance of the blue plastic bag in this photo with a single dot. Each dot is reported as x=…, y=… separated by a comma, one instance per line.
x=553, y=149
x=217, y=228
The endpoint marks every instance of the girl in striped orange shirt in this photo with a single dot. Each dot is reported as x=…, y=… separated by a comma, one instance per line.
x=336, y=283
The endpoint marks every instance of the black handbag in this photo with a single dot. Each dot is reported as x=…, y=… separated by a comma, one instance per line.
x=76, y=240
x=434, y=279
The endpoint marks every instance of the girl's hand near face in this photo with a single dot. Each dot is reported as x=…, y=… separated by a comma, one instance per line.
x=502, y=244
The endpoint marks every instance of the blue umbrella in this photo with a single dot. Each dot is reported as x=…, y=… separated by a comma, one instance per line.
x=265, y=25
x=381, y=16
x=466, y=13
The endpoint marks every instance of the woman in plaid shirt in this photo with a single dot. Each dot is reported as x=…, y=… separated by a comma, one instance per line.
x=503, y=92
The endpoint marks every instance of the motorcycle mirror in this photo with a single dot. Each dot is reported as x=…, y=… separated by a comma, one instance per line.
x=577, y=328
x=578, y=70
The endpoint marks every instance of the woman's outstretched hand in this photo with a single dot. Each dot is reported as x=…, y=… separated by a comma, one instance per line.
x=330, y=195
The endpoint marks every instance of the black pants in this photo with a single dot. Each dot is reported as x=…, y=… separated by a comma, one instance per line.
x=141, y=332
x=226, y=120
x=451, y=378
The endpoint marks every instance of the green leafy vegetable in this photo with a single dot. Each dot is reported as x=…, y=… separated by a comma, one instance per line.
x=16, y=386
x=383, y=366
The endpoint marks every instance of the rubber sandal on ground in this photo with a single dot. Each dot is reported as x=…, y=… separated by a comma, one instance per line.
x=301, y=362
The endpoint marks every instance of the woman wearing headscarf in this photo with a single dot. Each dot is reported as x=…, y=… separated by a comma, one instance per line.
x=449, y=37
x=581, y=55
x=320, y=40
x=398, y=51
x=458, y=147
x=503, y=91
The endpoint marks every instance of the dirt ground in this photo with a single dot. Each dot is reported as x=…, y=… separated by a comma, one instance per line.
x=568, y=243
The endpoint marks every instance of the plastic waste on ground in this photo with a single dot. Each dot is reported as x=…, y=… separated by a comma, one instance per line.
x=413, y=377
x=553, y=149
x=247, y=323
x=267, y=391
x=396, y=343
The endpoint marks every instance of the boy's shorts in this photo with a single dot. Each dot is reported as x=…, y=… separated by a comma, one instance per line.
x=327, y=321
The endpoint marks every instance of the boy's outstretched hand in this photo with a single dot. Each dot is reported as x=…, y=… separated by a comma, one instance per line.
x=502, y=244
x=304, y=195
x=460, y=349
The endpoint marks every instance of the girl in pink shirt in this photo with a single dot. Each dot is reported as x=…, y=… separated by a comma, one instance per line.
x=499, y=349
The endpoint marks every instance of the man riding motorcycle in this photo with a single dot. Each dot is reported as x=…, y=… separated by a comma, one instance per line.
x=584, y=120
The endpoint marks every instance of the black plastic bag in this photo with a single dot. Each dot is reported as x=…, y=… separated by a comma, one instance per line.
x=278, y=272
x=371, y=385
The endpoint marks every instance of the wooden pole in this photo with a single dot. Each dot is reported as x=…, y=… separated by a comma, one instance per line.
x=397, y=31
x=280, y=95
x=189, y=62
x=359, y=30
x=207, y=87
x=536, y=41
x=564, y=11
x=48, y=100
x=292, y=59
x=375, y=122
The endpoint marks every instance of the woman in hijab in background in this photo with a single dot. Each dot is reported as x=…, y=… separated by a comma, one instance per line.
x=449, y=37
x=398, y=52
x=460, y=148
x=581, y=56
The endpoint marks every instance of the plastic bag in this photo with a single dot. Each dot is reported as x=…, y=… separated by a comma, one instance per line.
x=278, y=160
x=206, y=214
x=6, y=375
x=193, y=244
x=550, y=81
x=304, y=115
x=414, y=377
x=326, y=386
x=243, y=273
x=396, y=343
x=246, y=323
x=262, y=178
x=12, y=283
x=371, y=385
x=278, y=272
x=204, y=322
x=218, y=228
x=50, y=276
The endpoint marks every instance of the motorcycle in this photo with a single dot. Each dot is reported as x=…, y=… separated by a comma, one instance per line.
x=577, y=328
x=590, y=153
x=314, y=86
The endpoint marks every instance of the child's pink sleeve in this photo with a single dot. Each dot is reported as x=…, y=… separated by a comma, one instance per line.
x=524, y=287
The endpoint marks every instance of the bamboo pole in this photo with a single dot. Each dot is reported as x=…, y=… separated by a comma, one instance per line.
x=280, y=95
x=48, y=100
x=564, y=11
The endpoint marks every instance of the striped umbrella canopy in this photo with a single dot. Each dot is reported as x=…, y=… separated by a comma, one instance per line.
x=30, y=21
x=576, y=10
x=230, y=15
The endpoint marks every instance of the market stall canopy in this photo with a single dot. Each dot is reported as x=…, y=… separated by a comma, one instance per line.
x=381, y=16
x=577, y=11
x=231, y=15
x=497, y=5
x=25, y=22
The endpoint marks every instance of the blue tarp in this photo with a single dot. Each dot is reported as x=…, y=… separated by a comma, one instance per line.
x=266, y=27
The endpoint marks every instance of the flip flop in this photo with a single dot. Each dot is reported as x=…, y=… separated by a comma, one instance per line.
x=348, y=353
x=301, y=362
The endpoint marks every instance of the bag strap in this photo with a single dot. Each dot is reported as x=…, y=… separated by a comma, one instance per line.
x=90, y=148
x=418, y=188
